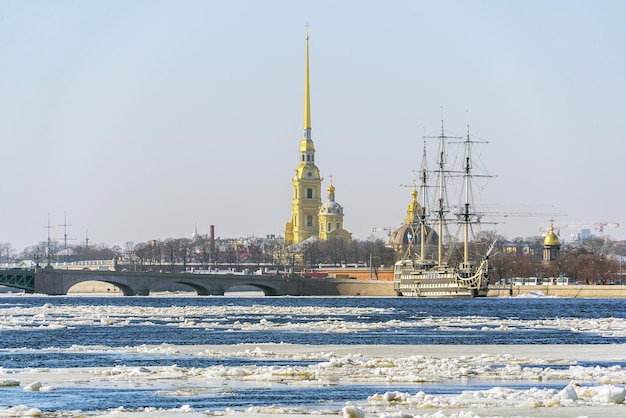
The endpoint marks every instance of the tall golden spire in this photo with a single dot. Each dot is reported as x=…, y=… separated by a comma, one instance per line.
x=307, y=94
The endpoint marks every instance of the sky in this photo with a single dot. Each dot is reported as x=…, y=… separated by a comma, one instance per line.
x=137, y=120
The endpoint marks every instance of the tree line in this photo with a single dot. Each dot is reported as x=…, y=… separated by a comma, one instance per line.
x=593, y=260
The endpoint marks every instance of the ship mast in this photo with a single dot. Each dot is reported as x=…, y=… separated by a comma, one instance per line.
x=468, y=177
x=440, y=213
x=466, y=207
x=422, y=214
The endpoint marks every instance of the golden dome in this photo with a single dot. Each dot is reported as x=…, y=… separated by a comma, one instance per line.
x=551, y=239
x=400, y=236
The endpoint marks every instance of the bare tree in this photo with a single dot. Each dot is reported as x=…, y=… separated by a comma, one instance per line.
x=256, y=254
x=203, y=251
x=170, y=252
x=230, y=256
x=185, y=251
x=312, y=254
x=7, y=251
x=142, y=254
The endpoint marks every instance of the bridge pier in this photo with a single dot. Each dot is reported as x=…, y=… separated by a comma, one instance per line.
x=142, y=291
x=47, y=281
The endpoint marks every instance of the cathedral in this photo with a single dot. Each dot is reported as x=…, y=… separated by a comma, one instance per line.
x=309, y=217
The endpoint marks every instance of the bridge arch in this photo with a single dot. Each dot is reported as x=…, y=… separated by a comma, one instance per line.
x=267, y=290
x=94, y=286
x=201, y=290
x=125, y=288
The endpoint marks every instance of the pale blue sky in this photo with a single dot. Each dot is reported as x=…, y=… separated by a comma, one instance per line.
x=143, y=118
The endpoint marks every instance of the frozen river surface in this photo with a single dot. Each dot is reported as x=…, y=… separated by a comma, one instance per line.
x=383, y=357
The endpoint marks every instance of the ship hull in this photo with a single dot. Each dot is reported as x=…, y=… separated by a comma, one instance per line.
x=437, y=284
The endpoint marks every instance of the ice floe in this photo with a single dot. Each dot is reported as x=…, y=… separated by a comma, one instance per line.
x=336, y=320
x=511, y=378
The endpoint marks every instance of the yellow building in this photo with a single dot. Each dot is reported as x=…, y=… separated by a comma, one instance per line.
x=306, y=204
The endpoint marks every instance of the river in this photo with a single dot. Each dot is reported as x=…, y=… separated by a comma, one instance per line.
x=210, y=356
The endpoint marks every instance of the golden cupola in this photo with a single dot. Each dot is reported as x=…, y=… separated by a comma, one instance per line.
x=551, y=238
x=551, y=245
x=331, y=206
x=331, y=217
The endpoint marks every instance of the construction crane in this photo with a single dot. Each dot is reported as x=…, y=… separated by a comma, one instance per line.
x=384, y=228
x=599, y=226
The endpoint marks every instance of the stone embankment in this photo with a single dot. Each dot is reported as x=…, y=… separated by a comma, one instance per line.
x=569, y=291
x=385, y=288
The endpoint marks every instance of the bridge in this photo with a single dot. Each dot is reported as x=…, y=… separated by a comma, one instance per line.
x=23, y=279
x=59, y=282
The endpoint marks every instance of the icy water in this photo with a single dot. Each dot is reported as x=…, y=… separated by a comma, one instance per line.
x=78, y=356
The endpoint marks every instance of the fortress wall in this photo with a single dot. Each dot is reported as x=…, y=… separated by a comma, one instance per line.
x=571, y=291
x=346, y=287
x=352, y=287
x=361, y=273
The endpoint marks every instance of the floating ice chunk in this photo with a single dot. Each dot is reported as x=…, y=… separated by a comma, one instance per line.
x=397, y=415
x=352, y=411
x=107, y=321
x=139, y=371
x=531, y=403
x=467, y=414
x=395, y=396
x=568, y=393
x=9, y=382
x=21, y=411
x=609, y=394
x=259, y=352
x=34, y=387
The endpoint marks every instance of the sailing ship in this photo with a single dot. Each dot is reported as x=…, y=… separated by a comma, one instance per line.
x=427, y=268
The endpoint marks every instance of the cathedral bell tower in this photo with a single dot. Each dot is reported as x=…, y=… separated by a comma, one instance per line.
x=307, y=183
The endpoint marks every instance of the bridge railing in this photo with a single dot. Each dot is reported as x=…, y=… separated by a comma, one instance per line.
x=85, y=264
